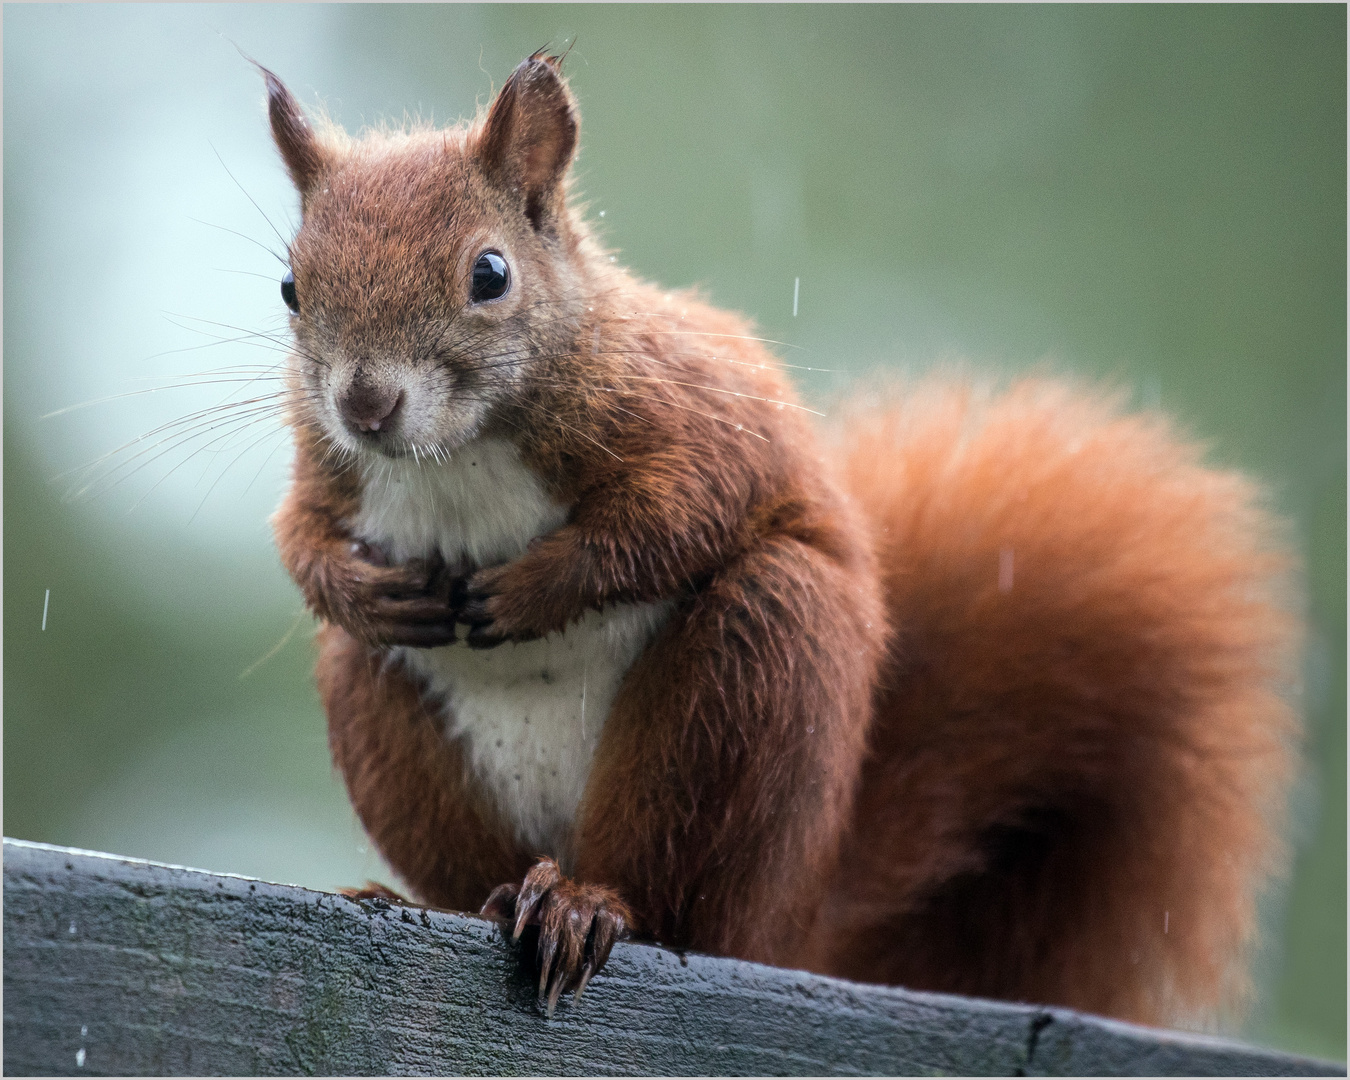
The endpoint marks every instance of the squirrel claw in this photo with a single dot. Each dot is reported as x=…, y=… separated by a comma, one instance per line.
x=548, y=951
x=470, y=606
x=551, y=1002
x=501, y=904
x=587, y=970
x=541, y=878
x=370, y=553
x=479, y=637
x=459, y=594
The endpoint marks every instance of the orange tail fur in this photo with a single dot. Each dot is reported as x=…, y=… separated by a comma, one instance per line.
x=1083, y=740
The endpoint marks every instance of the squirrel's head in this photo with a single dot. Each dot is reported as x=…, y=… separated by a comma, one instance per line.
x=433, y=270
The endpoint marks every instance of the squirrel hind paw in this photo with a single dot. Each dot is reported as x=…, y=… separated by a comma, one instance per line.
x=373, y=890
x=578, y=926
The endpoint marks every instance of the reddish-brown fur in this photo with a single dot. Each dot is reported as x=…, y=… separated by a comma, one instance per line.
x=990, y=715
x=1075, y=784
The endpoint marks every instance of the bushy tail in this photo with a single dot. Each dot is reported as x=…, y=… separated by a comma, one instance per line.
x=1083, y=744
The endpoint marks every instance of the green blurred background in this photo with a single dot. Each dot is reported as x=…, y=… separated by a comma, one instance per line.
x=1154, y=196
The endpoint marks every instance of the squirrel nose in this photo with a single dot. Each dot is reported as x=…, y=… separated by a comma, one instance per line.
x=367, y=408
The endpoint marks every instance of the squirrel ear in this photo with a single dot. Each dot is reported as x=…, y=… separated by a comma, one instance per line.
x=530, y=135
x=291, y=131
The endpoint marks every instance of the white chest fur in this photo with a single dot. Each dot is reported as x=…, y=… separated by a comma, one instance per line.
x=530, y=714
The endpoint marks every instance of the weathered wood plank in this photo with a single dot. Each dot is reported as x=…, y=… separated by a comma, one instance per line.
x=115, y=965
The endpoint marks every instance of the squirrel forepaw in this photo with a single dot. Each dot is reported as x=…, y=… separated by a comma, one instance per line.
x=479, y=602
x=578, y=926
x=392, y=604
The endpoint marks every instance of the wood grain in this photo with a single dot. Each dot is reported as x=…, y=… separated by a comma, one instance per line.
x=151, y=969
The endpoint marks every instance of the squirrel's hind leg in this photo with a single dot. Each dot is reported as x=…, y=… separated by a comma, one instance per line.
x=409, y=783
x=723, y=780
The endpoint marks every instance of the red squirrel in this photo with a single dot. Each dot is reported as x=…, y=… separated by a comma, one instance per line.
x=974, y=692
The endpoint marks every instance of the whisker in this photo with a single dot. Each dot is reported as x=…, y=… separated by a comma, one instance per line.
x=135, y=393
x=710, y=416
x=106, y=480
x=589, y=438
x=279, y=396
x=171, y=443
x=233, y=462
x=249, y=197
x=718, y=390
x=200, y=449
x=275, y=648
x=707, y=333
x=278, y=338
x=247, y=273
x=207, y=419
x=621, y=375
x=242, y=372
x=244, y=236
x=193, y=348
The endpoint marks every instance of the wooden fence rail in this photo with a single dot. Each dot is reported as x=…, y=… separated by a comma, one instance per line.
x=115, y=965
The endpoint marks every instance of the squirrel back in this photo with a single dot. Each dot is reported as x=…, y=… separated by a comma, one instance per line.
x=1082, y=736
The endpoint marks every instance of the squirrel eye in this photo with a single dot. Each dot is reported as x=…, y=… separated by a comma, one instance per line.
x=288, y=292
x=491, y=278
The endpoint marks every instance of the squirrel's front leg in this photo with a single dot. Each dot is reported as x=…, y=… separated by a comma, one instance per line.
x=651, y=533
x=350, y=583
x=541, y=592
x=383, y=604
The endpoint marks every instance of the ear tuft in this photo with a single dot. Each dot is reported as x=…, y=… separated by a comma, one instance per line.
x=294, y=136
x=530, y=136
